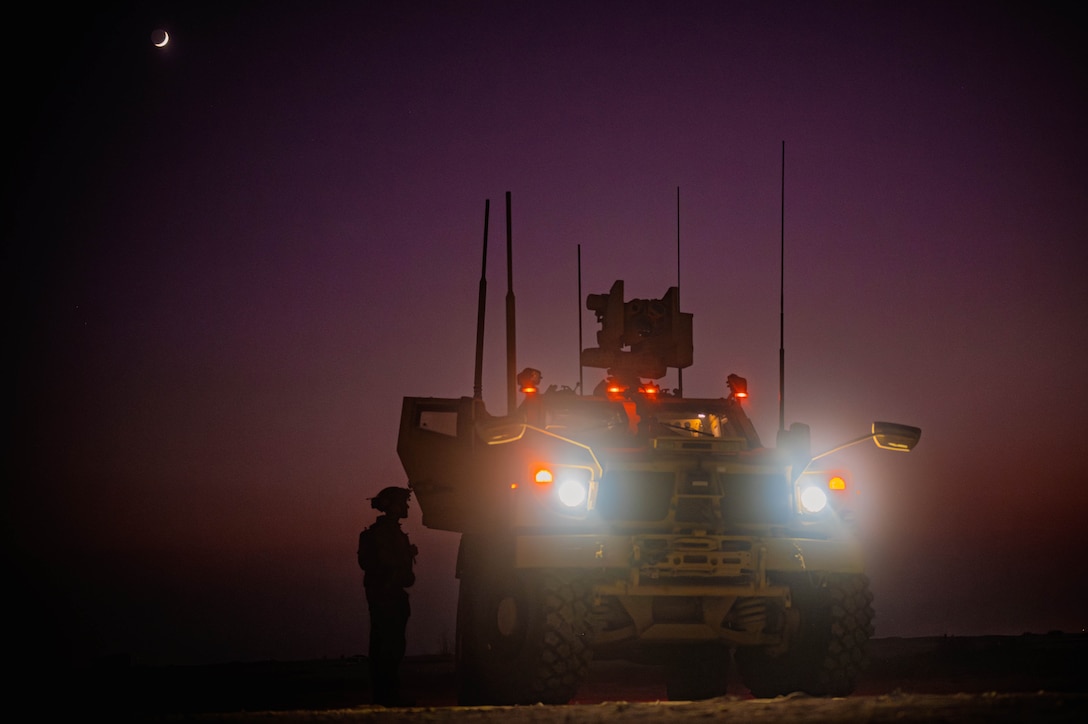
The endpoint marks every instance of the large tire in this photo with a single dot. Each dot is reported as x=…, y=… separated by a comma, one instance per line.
x=826, y=649
x=696, y=673
x=522, y=638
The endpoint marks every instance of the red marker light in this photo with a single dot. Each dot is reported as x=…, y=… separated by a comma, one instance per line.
x=738, y=386
x=529, y=380
x=614, y=388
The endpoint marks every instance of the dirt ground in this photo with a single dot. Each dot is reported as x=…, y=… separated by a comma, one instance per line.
x=942, y=679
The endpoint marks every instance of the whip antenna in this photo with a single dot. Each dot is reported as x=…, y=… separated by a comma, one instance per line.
x=581, y=386
x=782, y=304
x=477, y=384
x=511, y=341
x=679, y=370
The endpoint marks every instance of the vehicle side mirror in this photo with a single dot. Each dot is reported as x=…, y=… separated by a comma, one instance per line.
x=894, y=436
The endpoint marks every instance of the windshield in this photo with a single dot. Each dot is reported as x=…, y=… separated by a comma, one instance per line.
x=691, y=425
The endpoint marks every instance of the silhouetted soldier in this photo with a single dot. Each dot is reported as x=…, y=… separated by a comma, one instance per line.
x=386, y=557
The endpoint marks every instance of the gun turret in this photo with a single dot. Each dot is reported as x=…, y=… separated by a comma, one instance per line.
x=640, y=337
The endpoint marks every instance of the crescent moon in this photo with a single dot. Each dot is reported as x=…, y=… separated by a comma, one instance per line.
x=160, y=38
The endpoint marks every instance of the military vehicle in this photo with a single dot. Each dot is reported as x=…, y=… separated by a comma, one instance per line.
x=637, y=523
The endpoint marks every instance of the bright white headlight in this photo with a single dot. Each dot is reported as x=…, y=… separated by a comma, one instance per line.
x=572, y=493
x=813, y=499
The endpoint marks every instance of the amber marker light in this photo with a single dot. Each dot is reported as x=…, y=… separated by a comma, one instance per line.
x=649, y=390
x=837, y=482
x=543, y=477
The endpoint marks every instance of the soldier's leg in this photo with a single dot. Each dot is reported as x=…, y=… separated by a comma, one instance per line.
x=388, y=617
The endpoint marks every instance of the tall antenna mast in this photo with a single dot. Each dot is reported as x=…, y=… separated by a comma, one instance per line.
x=511, y=341
x=782, y=305
x=477, y=383
x=679, y=370
x=581, y=385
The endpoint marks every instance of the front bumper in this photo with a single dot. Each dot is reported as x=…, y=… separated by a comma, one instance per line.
x=662, y=564
x=682, y=589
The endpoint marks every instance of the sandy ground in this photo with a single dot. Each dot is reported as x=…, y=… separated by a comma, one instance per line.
x=947, y=679
x=984, y=709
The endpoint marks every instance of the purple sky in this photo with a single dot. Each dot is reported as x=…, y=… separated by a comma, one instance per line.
x=229, y=259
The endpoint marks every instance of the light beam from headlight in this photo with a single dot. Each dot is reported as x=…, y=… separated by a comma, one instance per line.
x=813, y=499
x=572, y=493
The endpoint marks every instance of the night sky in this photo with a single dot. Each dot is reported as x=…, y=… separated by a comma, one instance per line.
x=228, y=260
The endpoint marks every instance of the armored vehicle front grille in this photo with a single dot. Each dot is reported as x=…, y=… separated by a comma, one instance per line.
x=701, y=511
x=635, y=495
x=755, y=498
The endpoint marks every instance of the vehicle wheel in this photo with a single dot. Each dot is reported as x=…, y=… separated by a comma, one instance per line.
x=522, y=638
x=697, y=673
x=826, y=649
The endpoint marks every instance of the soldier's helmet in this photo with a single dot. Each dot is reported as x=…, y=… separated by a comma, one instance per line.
x=390, y=496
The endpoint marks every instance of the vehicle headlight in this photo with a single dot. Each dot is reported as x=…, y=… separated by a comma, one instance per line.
x=572, y=492
x=813, y=499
